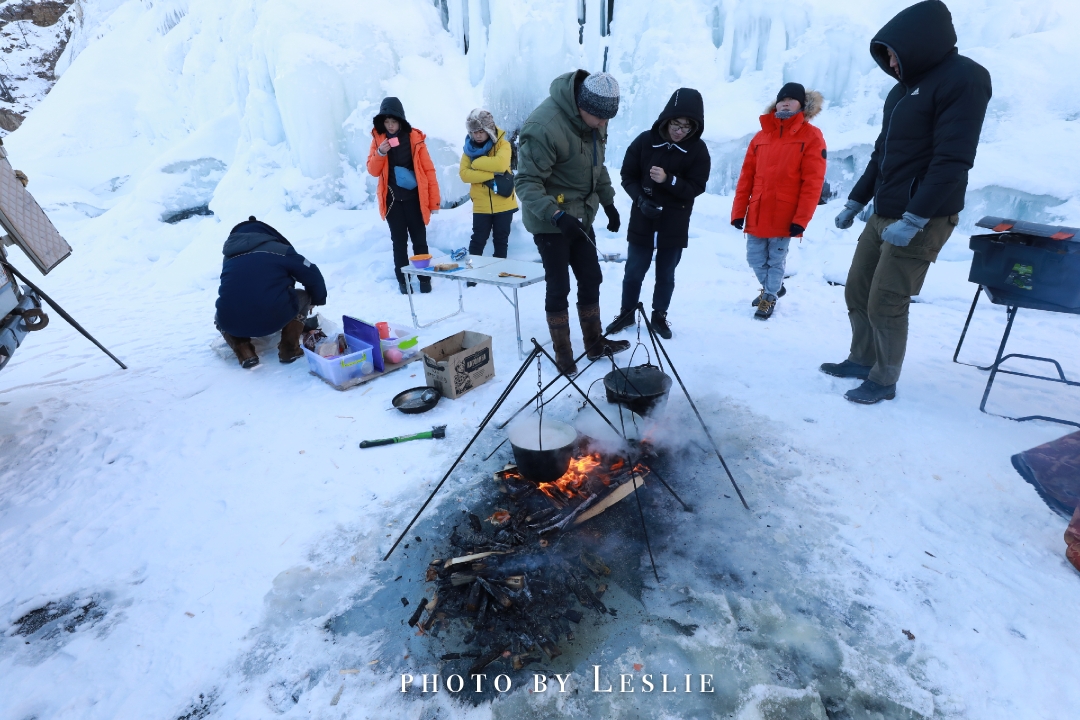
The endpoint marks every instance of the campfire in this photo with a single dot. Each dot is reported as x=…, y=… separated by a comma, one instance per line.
x=522, y=581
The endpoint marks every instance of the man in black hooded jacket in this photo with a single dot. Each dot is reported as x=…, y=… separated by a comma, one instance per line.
x=916, y=178
x=664, y=169
x=257, y=295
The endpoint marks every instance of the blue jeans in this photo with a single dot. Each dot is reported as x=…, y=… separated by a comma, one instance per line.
x=638, y=260
x=767, y=256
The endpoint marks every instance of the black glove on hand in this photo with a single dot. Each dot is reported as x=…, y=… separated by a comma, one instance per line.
x=796, y=229
x=613, y=222
x=649, y=208
x=737, y=223
x=570, y=226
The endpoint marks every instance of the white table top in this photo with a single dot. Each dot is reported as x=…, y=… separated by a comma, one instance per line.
x=485, y=270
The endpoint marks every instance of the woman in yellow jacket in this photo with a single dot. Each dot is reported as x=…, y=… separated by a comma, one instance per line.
x=487, y=153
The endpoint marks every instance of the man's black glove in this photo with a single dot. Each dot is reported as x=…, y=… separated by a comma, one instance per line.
x=737, y=223
x=570, y=226
x=649, y=208
x=796, y=229
x=613, y=222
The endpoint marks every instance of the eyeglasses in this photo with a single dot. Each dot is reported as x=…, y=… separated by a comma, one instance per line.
x=682, y=127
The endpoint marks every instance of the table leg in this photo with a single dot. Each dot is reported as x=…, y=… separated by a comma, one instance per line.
x=409, y=292
x=517, y=324
x=1011, y=312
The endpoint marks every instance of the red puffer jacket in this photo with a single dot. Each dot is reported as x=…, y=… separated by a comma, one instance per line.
x=782, y=174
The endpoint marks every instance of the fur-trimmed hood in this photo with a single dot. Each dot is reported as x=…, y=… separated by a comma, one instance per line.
x=814, y=101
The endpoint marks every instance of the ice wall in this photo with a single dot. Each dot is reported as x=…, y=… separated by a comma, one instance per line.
x=282, y=94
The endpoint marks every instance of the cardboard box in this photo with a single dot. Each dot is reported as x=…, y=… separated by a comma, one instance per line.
x=457, y=364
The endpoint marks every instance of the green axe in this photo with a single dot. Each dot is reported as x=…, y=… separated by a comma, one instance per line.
x=437, y=432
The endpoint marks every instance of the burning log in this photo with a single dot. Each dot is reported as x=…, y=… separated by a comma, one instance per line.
x=573, y=514
x=515, y=582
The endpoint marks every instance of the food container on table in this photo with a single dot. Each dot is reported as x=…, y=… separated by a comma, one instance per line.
x=420, y=261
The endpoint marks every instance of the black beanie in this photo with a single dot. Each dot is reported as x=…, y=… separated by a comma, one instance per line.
x=795, y=91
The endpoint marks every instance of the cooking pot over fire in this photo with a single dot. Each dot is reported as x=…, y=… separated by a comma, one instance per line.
x=639, y=388
x=542, y=452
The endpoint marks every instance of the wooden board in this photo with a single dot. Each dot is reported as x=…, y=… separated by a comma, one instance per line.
x=616, y=495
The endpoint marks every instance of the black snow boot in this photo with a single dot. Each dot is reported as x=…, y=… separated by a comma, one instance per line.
x=425, y=284
x=660, y=324
x=559, y=327
x=870, y=393
x=782, y=293
x=401, y=286
x=846, y=369
x=596, y=345
x=624, y=320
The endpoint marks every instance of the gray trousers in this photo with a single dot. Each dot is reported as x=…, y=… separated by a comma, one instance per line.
x=880, y=283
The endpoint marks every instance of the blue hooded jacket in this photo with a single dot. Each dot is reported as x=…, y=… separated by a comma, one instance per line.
x=261, y=268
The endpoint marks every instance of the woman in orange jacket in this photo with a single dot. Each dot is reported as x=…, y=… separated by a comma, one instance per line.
x=408, y=187
x=779, y=187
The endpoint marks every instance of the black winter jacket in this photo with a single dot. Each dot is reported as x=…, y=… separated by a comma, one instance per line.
x=932, y=118
x=256, y=295
x=687, y=164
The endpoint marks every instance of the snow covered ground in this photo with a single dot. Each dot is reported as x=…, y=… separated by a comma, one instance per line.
x=197, y=526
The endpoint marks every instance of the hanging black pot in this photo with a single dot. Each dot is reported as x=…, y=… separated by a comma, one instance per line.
x=543, y=456
x=639, y=388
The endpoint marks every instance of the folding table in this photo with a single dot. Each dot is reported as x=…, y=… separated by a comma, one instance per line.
x=484, y=271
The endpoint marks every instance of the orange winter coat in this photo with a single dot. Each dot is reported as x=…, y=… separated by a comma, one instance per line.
x=782, y=174
x=427, y=183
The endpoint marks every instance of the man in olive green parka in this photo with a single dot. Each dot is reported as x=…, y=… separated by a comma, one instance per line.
x=561, y=182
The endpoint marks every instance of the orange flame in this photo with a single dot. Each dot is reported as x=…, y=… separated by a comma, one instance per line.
x=569, y=485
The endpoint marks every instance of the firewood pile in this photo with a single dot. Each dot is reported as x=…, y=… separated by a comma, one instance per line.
x=521, y=580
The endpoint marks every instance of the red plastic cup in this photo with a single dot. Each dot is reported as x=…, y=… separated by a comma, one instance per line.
x=384, y=330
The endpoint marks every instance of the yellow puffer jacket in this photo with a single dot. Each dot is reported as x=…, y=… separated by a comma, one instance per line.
x=477, y=172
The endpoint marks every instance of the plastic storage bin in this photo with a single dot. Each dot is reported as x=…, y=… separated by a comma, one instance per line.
x=340, y=370
x=1040, y=270
x=403, y=339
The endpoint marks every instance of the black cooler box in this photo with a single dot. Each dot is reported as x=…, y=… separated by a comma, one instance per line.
x=1028, y=264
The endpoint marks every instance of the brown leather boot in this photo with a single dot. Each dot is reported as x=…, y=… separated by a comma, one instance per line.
x=288, y=349
x=1072, y=533
x=559, y=327
x=596, y=345
x=245, y=351
x=1073, y=555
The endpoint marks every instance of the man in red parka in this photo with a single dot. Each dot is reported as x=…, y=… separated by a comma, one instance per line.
x=779, y=187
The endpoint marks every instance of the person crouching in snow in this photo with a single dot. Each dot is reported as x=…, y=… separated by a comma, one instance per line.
x=408, y=187
x=487, y=154
x=257, y=295
x=664, y=169
x=779, y=187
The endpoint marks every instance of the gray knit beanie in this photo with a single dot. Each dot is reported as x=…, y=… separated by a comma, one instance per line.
x=481, y=119
x=599, y=95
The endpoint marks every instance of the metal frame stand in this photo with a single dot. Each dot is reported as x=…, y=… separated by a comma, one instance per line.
x=536, y=352
x=996, y=368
